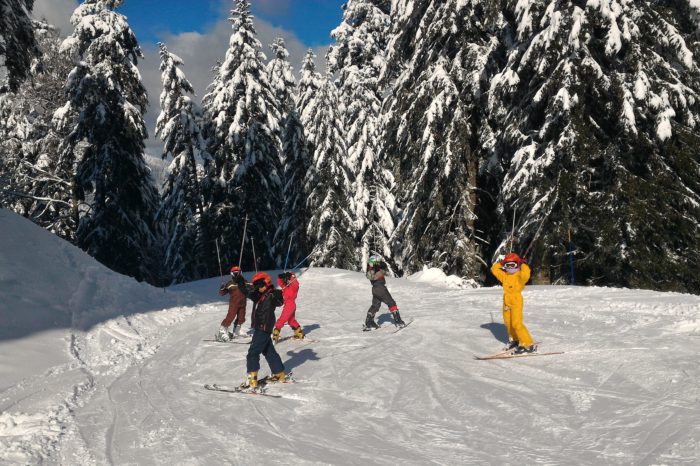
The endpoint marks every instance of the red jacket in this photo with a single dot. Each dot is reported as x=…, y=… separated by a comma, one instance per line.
x=289, y=294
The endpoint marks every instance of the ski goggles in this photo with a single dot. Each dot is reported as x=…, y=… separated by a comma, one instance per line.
x=511, y=265
x=259, y=284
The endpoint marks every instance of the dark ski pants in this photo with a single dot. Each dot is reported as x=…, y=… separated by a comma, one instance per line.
x=262, y=344
x=381, y=295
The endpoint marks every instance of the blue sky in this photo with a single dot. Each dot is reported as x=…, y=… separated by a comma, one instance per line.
x=310, y=20
x=197, y=31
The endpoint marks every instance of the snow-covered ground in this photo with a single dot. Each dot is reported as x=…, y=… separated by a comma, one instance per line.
x=98, y=369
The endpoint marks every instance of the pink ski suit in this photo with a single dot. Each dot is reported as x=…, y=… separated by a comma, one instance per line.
x=289, y=293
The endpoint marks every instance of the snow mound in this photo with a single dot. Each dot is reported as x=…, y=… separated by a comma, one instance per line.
x=437, y=277
x=68, y=325
x=47, y=283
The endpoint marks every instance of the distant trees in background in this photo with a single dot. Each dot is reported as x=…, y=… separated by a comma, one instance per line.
x=450, y=131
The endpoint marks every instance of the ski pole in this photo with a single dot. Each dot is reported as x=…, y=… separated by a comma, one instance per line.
x=218, y=255
x=512, y=231
x=255, y=259
x=245, y=228
x=288, y=249
x=304, y=259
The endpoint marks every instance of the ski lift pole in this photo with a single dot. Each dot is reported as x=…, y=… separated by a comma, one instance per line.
x=255, y=259
x=304, y=259
x=245, y=228
x=571, y=260
x=512, y=230
x=534, y=238
x=288, y=249
x=218, y=255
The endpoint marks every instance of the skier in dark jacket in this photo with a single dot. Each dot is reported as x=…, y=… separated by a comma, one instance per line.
x=375, y=274
x=265, y=299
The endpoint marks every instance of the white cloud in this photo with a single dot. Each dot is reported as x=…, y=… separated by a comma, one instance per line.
x=56, y=12
x=199, y=51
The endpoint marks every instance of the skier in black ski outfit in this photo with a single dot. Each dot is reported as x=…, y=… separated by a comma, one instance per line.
x=265, y=299
x=375, y=274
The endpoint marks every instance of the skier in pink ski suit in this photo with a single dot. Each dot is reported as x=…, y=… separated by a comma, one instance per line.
x=290, y=289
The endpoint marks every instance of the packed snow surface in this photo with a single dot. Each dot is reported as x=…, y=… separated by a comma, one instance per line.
x=96, y=369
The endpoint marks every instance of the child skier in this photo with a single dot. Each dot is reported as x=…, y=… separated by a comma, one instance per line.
x=265, y=299
x=290, y=288
x=236, y=308
x=514, y=273
x=375, y=274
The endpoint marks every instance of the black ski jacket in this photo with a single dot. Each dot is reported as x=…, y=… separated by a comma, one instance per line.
x=375, y=275
x=264, y=304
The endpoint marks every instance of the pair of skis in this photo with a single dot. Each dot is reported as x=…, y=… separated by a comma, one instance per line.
x=236, y=340
x=261, y=389
x=299, y=340
x=510, y=354
x=395, y=329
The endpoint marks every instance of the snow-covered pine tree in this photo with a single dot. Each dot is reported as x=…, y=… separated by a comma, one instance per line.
x=38, y=186
x=595, y=115
x=357, y=58
x=290, y=243
x=440, y=52
x=244, y=177
x=181, y=211
x=328, y=180
x=18, y=46
x=105, y=131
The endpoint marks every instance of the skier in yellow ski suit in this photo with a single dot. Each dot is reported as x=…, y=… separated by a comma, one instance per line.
x=514, y=273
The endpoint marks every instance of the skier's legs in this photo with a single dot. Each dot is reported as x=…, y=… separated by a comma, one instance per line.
x=515, y=303
x=376, y=303
x=272, y=356
x=256, y=348
x=507, y=322
x=240, y=317
x=293, y=321
x=381, y=293
x=228, y=320
x=287, y=316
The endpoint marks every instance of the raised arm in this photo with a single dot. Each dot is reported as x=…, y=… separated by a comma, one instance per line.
x=247, y=292
x=498, y=272
x=525, y=272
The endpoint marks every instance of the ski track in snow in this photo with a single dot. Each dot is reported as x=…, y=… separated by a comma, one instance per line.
x=625, y=391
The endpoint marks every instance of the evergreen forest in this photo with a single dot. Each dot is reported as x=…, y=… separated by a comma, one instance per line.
x=441, y=134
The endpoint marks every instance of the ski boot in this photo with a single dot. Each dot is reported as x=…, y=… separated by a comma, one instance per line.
x=512, y=344
x=251, y=382
x=397, y=319
x=278, y=377
x=525, y=349
x=224, y=335
x=370, y=323
x=276, y=335
x=298, y=333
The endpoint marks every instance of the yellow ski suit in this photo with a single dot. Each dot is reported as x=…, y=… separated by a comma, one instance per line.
x=513, y=302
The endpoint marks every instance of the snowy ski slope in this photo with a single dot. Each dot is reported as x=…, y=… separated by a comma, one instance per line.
x=98, y=369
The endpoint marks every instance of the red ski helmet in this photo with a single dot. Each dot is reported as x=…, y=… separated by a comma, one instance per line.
x=235, y=270
x=513, y=257
x=261, y=279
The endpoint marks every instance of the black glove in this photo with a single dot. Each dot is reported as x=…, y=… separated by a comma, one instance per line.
x=238, y=278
